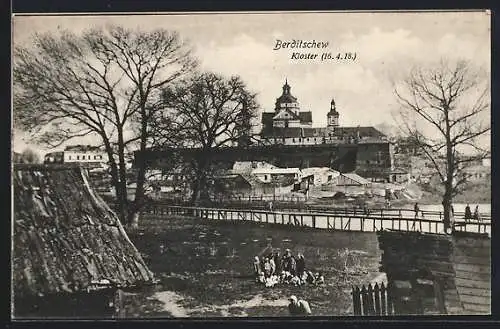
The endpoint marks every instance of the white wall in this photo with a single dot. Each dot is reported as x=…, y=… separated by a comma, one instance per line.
x=73, y=156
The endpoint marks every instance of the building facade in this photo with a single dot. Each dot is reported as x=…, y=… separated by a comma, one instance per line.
x=288, y=125
x=85, y=154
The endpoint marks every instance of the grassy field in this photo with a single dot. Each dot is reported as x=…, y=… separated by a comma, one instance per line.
x=205, y=268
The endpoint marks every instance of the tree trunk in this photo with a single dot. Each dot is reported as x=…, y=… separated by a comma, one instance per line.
x=200, y=185
x=120, y=186
x=197, y=187
x=122, y=172
x=139, y=196
x=450, y=170
x=141, y=175
x=447, y=213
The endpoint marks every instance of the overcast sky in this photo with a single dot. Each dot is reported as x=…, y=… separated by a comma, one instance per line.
x=386, y=45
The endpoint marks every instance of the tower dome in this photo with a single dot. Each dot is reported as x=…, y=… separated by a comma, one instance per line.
x=286, y=100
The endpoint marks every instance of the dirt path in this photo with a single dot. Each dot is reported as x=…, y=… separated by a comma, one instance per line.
x=172, y=301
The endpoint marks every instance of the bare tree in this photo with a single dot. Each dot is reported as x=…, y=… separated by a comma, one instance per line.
x=445, y=111
x=104, y=83
x=209, y=112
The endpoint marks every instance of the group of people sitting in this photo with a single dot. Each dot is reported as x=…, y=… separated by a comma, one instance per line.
x=273, y=269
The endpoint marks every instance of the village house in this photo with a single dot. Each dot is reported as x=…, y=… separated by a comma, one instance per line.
x=282, y=176
x=86, y=155
x=319, y=176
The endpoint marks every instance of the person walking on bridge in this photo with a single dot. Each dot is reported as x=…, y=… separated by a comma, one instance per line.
x=477, y=217
x=468, y=214
x=416, y=209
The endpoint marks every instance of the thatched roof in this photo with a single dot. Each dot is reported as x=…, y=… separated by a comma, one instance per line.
x=66, y=239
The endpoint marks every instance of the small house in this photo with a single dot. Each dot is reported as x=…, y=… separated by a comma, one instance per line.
x=320, y=175
x=281, y=176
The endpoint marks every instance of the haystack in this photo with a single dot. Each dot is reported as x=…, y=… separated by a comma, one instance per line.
x=66, y=239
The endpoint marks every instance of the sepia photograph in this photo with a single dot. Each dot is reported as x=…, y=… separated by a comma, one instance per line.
x=251, y=164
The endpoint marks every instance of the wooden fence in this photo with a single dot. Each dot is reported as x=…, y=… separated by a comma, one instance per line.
x=372, y=300
x=319, y=220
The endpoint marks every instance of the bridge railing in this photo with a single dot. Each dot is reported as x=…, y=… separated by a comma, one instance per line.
x=459, y=217
x=319, y=220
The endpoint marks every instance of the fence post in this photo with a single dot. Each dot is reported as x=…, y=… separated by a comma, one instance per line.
x=376, y=290
x=390, y=304
x=383, y=300
x=364, y=299
x=356, y=300
x=371, y=309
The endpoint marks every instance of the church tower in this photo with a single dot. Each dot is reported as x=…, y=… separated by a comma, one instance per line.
x=332, y=116
x=286, y=101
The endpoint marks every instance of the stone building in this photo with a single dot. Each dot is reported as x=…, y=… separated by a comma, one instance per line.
x=288, y=125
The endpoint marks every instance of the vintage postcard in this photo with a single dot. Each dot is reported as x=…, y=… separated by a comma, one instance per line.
x=251, y=164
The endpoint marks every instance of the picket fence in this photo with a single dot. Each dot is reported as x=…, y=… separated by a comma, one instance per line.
x=372, y=300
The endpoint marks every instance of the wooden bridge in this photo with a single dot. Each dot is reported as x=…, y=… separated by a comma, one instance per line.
x=393, y=219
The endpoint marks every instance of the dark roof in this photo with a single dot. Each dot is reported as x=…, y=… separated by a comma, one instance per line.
x=363, y=132
x=232, y=182
x=286, y=98
x=332, y=112
x=66, y=238
x=82, y=148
